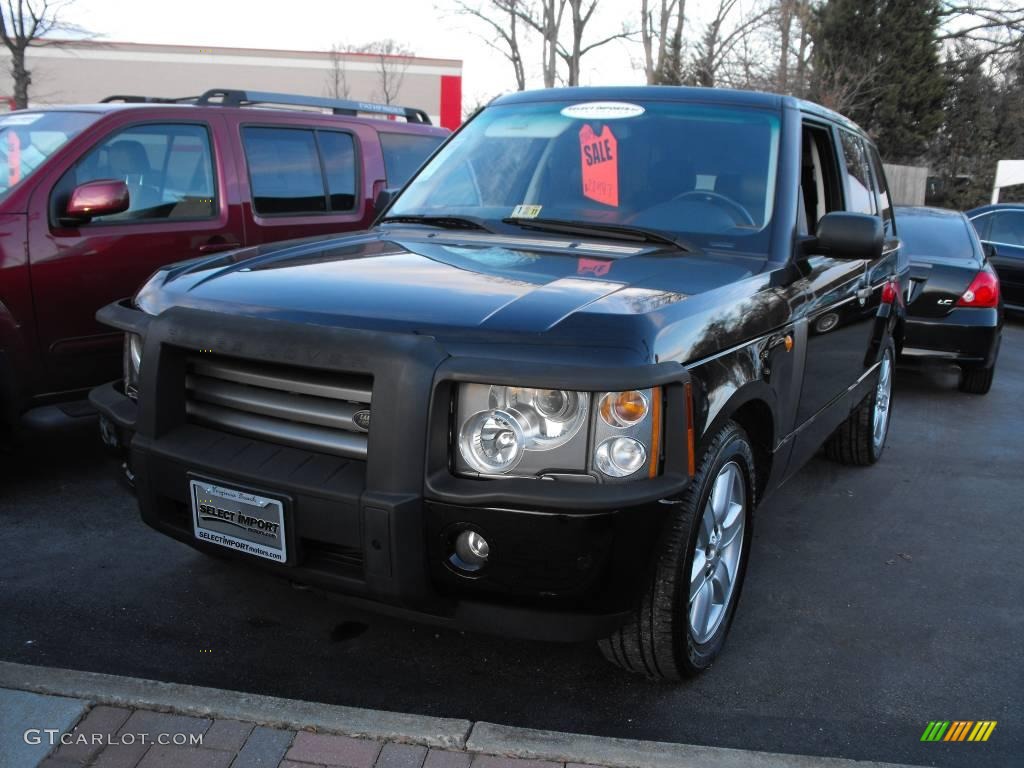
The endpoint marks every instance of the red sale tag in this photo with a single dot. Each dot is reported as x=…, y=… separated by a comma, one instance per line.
x=599, y=156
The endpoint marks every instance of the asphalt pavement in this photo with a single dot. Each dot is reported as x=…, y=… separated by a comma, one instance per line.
x=876, y=601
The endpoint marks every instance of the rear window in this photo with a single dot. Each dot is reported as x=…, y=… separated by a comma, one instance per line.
x=936, y=235
x=404, y=153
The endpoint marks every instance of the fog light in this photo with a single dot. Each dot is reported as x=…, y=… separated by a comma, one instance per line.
x=471, y=551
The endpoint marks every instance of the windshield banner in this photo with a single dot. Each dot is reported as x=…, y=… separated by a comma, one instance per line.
x=599, y=155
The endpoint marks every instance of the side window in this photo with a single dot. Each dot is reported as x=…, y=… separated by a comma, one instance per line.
x=339, y=156
x=404, y=153
x=860, y=197
x=882, y=188
x=298, y=170
x=819, y=177
x=284, y=169
x=1007, y=228
x=983, y=225
x=168, y=170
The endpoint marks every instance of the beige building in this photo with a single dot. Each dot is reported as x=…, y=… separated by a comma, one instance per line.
x=87, y=71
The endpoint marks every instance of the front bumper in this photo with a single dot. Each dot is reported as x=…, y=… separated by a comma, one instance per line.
x=967, y=336
x=568, y=560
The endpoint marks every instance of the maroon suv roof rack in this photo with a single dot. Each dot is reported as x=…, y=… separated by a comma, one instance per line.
x=231, y=97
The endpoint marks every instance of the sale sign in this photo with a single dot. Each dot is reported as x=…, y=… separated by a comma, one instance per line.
x=599, y=156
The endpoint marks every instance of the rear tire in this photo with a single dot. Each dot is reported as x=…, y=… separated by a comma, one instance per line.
x=977, y=381
x=860, y=440
x=712, y=525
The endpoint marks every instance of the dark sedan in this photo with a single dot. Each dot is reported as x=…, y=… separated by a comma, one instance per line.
x=954, y=309
x=1002, y=227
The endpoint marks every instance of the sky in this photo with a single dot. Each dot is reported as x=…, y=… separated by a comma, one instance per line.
x=426, y=27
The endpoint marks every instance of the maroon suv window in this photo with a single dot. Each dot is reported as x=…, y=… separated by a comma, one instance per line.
x=168, y=169
x=295, y=170
x=404, y=153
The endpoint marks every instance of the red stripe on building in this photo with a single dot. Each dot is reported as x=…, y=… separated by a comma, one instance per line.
x=451, y=101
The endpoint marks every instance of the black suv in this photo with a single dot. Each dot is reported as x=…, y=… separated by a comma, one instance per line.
x=545, y=393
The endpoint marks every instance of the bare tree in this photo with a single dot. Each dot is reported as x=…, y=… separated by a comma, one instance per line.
x=548, y=23
x=994, y=27
x=722, y=37
x=393, y=60
x=581, y=13
x=845, y=86
x=785, y=11
x=23, y=24
x=800, y=82
x=661, y=29
x=337, y=76
x=503, y=19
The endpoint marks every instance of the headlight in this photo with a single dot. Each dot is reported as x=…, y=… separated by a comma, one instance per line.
x=532, y=432
x=492, y=442
x=132, y=363
x=552, y=417
x=620, y=456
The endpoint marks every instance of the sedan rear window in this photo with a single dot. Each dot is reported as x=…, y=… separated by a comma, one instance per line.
x=936, y=234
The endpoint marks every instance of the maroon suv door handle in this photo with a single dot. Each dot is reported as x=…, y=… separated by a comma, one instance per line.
x=212, y=247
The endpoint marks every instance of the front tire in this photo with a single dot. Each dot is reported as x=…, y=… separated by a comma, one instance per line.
x=860, y=440
x=682, y=621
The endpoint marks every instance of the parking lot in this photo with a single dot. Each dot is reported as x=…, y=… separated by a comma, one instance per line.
x=876, y=600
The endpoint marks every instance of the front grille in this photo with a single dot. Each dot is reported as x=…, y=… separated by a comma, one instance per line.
x=300, y=407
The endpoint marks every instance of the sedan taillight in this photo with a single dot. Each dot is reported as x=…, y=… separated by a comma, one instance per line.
x=982, y=292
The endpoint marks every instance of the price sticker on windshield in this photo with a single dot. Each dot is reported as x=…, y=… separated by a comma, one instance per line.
x=599, y=156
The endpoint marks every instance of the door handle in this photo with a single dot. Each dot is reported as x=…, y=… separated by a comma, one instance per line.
x=217, y=247
x=863, y=294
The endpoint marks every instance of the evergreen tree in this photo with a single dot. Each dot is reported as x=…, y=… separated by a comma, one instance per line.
x=965, y=149
x=1010, y=111
x=878, y=62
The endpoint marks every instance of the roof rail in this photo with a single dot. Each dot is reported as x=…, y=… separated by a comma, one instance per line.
x=131, y=99
x=229, y=97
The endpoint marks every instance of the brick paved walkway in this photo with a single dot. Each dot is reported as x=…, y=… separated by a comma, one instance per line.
x=115, y=737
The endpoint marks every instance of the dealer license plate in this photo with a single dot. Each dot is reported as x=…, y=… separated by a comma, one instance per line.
x=239, y=520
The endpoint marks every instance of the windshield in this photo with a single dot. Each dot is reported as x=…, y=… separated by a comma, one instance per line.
x=702, y=172
x=28, y=138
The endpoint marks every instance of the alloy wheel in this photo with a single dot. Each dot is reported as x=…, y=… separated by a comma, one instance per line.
x=883, y=399
x=716, y=558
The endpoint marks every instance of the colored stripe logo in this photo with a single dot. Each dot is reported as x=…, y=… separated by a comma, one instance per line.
x=958, y=730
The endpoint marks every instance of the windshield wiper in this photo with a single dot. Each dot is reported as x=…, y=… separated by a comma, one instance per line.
x=444, y=222
x=617, y=231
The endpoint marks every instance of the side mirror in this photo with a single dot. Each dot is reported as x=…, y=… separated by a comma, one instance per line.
x=843, y=235
x=96, y=198
x=989, y=250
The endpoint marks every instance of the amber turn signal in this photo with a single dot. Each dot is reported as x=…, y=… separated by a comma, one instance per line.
x=623, y=409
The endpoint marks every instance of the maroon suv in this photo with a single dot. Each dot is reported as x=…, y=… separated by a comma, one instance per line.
x=94, y=198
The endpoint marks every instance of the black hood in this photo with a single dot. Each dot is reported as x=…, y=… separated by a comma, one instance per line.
x=422, y=279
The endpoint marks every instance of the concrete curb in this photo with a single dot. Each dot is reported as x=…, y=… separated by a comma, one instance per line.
x=234, y=705
x=446, y=733
x=630, y=753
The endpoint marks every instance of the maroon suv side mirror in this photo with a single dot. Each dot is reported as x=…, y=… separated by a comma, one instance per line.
x=96, y=198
